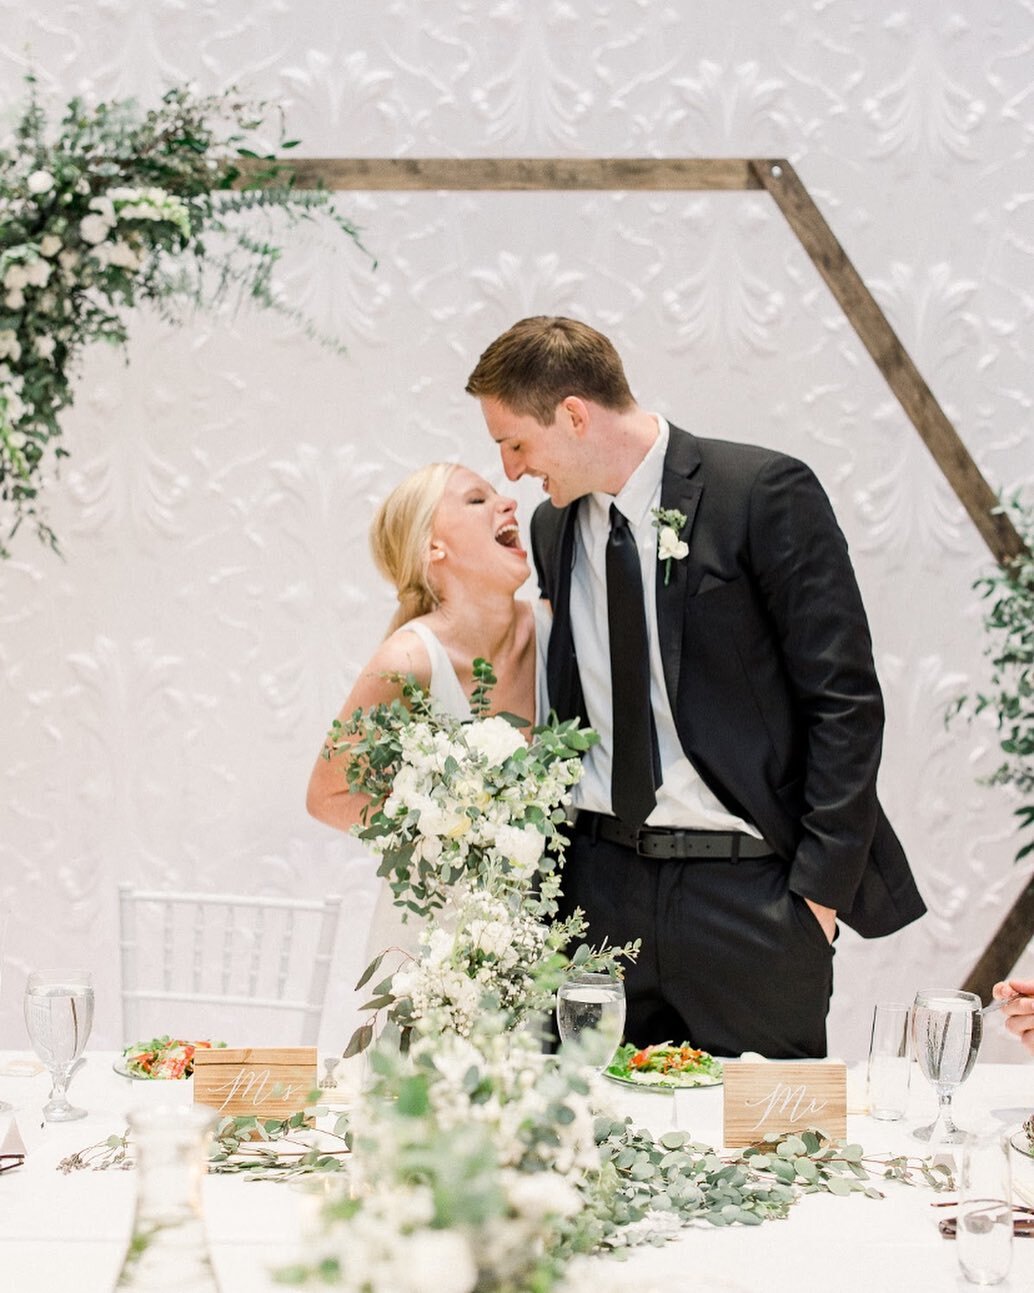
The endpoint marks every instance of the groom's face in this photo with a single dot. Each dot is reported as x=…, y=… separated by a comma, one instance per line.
x=550, y=452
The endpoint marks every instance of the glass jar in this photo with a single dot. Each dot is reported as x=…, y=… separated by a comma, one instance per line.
x=169, y=1248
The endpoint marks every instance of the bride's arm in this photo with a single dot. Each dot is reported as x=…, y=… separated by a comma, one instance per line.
x=328, y=797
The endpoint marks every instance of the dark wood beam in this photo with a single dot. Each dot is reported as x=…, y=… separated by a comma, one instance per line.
x=1006, y=946
x=511, y=174
x=891, y=357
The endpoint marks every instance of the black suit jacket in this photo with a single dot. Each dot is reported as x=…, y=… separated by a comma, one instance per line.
x=769, y=669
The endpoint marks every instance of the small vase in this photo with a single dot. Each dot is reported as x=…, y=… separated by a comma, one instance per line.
x=168, y=1248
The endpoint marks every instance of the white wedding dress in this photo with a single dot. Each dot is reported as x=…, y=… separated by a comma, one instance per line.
x=388, y=929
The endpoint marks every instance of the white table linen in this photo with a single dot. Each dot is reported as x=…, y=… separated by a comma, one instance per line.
x=70, y=1231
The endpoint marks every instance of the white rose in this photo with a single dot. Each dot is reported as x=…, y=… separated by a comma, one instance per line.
x=495, y=738
x=93, y=229
x=14, y=300
x=38, y=272
x=68, y=259
x=40, y=182
x=44, y=346
x=492, y=936
x=49, y=245
x=17, y=277
x=16, y=439
x=669, y=545
x=521, y=846
x=10, y=347
x=436, y=819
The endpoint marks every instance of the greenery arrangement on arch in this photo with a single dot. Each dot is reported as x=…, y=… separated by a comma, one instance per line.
x=177, y=207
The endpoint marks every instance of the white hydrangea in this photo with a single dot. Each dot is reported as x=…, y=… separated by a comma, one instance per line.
x=50, y=244
x=44, y=346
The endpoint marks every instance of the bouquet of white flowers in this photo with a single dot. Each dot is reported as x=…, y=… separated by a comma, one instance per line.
x=466, y=816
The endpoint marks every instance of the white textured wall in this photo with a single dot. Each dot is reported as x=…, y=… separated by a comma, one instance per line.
x=164, y=689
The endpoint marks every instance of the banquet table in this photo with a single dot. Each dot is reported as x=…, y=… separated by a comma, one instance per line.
x=69, y=1231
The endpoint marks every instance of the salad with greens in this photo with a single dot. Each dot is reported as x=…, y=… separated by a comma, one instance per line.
x=163, y=1058
x=664, y=1065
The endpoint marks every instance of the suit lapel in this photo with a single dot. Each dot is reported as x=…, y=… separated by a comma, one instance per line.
x=679, y=491
x=561, y=665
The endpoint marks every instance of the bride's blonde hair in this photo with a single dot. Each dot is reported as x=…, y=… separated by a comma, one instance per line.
x=400, y=539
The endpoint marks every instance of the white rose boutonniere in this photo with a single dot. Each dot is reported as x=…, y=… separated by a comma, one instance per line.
x=669, y=522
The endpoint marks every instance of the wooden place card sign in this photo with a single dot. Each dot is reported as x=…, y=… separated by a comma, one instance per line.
x=266, y=1082
x=774, y=1097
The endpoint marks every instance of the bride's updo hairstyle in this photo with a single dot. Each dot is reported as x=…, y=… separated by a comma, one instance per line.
x=400, y=539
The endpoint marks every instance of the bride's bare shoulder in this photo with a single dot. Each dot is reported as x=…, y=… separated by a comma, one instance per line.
x=403, y=652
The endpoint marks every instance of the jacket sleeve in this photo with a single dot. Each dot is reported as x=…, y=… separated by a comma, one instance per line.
x=805, y=578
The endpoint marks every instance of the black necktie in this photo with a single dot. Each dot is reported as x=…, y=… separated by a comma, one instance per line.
x=632, y=772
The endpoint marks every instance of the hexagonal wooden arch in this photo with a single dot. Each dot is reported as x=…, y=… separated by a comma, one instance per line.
x=778, y=178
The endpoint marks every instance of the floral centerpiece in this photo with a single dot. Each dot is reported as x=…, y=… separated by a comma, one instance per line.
x=108, y=209
x=466, y=819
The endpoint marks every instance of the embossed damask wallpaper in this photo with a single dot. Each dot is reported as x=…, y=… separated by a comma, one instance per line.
x=165, y=687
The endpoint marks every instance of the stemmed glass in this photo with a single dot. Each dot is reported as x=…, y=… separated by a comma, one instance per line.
x=59, y=1016
x=946, y=1030
x=590, y=1012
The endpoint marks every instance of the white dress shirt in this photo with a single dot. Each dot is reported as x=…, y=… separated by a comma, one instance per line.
x=682, y=799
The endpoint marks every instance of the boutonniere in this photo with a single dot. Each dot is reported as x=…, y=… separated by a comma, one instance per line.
x=669, y=522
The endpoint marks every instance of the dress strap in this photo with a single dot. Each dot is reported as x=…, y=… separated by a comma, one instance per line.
x=445, y=685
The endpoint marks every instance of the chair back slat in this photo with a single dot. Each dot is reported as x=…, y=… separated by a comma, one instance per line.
x=286, y=944
x=198, y=967
x=258, y=923
x=229, y=938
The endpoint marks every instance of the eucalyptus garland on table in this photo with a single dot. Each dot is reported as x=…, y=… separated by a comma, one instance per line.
x=111, y=208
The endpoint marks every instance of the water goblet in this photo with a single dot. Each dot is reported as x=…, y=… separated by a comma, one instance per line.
x=59, y=1016
x=590, y=1015
x=947, y=1027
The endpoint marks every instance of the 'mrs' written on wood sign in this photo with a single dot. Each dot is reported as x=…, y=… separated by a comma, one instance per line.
x=266, y=1082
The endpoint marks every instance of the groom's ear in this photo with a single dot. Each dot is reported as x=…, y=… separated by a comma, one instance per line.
x=575, y=413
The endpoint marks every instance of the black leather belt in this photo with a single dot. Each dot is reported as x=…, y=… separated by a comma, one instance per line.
x=671, y=841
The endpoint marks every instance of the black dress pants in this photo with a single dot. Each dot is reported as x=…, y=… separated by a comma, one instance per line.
x=731, y=959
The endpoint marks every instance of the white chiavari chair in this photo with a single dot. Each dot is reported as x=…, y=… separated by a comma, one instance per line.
x=243, y=957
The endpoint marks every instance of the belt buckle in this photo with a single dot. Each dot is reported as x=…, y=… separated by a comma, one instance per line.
x=641, y=837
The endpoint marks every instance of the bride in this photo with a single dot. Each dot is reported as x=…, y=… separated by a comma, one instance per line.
x=450, y=545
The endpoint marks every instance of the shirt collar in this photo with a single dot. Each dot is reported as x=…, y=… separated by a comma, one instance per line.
x=639, y=493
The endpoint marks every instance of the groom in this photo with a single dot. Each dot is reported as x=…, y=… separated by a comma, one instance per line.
x=728, y=815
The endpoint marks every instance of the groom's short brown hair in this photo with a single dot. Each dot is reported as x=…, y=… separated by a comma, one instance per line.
x=540, y=361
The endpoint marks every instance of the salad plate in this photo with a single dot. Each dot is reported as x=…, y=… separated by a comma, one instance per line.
x=664, y=1067
x=162, y=1059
